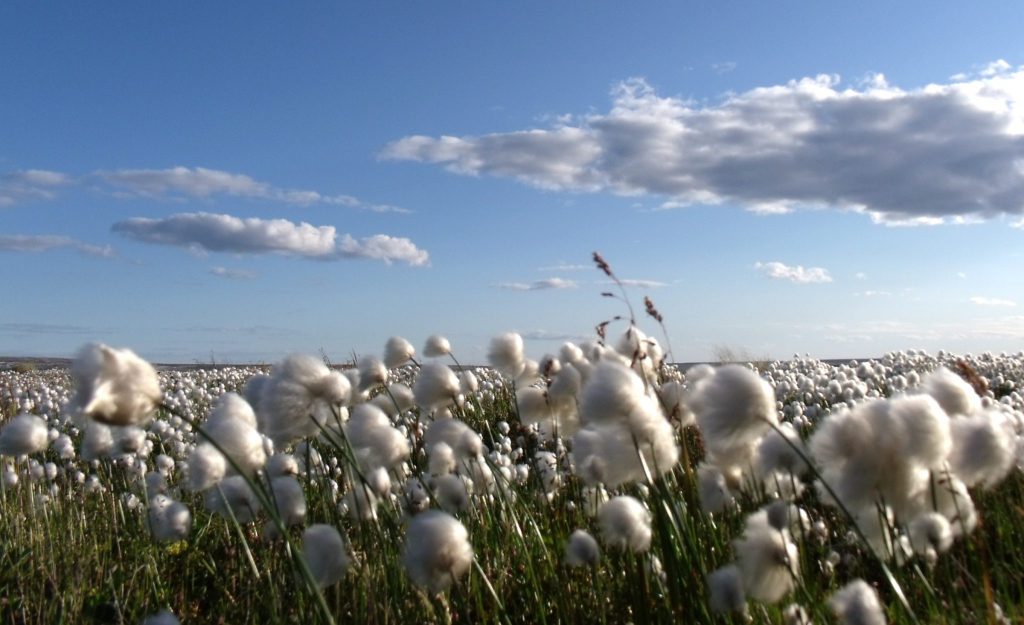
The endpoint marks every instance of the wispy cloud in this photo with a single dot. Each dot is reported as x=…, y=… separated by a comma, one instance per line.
x=209, y=232
x=232, y=274
x=31, y=328
x=30, y=184
x=36, y=243
x=940, y=153
x=203, y=183
x=993, y=302
x=565, y=267
x=795, y=273
x=539, y=285
x=544, y=335
x=724, y=67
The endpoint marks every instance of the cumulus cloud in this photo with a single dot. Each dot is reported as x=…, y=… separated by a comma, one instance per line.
x=993, y=302
x=202, y=183
x=30, y=184
x=796, y=273
x=209, y=232
x=539, y=285
x=949, y=152
x=232, y=274
x=35, y=243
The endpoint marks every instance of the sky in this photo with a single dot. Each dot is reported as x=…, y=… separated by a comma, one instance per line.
x=235, y=182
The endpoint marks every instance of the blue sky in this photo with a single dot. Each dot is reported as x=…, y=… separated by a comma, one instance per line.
x=239, y=181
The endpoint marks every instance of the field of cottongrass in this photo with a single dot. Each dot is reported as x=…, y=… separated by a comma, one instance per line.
x=598, y=484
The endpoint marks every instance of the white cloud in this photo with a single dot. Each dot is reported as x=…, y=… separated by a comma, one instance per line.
x=202, y=183
x=30, y=184
x=36, y=243
x=796, y=273
x=940, y=153
x=232, y=274
x=638, y=283
x=565, y=267
x=993, y=302
x=539, y=285
x=208, y=232
x=545, y=335
x=724, y=67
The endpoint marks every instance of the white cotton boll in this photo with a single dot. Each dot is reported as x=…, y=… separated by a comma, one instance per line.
x=253, y=389
x=230, y=425
x=795, y=614
x=169, y=520
x=625, y=523
x=416, y=497
x=113, y=386
x=372, y=372
x=361, y=503
x=164, y=464
x=582, y=549
x=451, y=493
x=953, y=393
x=301, y=396
x=776, y=453
x=611, y=393
x=436, y=386
x=232, y=496
x=570, y=353
x=325, y=554
x=714, y=493
x=282, y=464
x=930, y=531
x=379, y=480
x=926, y=432
x=857, y=604
x=953, y=501
x=402, y=396
x=549, y=365
x=289, y=500
x=767, y=559
x=156, y=483
x=696, y=373
x=10, y=479
x=206, y=467
x=397, y=352
x=377, y=442
x=64, y=447
x=529, y=373
x=24, y=434
x=468, y=383
x=734, y=407
x=97, y=441
x=985, y=448
x=506, y=353
x=725, y=587
x=672, y=396
x=532, y=405
x=163, y=617
x=441, y=459
x=436, y=346
x=456, y=434
x=129, y=440
x=232, y=407
x=632, y=345
x=566, y=386
x=437, y=551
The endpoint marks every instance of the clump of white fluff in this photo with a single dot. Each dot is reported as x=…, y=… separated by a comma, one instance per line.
x=725, y=587
x=930, y=535
x=397, y=352
x=97, y=441
x=437, y=550
x=713, y=489
x=206, y=467
x=734, y=407
x=324, y=551
x=857, y=604
x=300, y=397
x=782, y=451
x=22, y=435
x=582, y=549
x=506, y=354
x=372, y=372
x=169, y=520
x=436, y=386
x=767, y=559
x=463, y=440
x=113, y=386
x=436, y=346
x=985, y=449
x=951, y=391
x=232, y=426
x=289, y=500
x=233, y=496
x=625, y=524
x=376, y=442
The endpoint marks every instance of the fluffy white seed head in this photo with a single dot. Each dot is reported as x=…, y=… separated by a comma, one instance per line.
x=734, y=408
x=985, y=449
x=97, y=441
x=714, y=492
x=169, y=520
x=625, y=524
x=437, y=550
x=233, y=496
x=930, y=532
x=326, y=556
x=163, y=617
x=436, y=386
x=857, y=604
x=113, y=386
x=582, y=549
x=725, y=587
x=232, y=426
x=952, y=392
x=397, y=352
x=462, y=439
x=22, y=435
x=436, y=346
x=206, y=467
x=506, y=354
x=767, y=559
